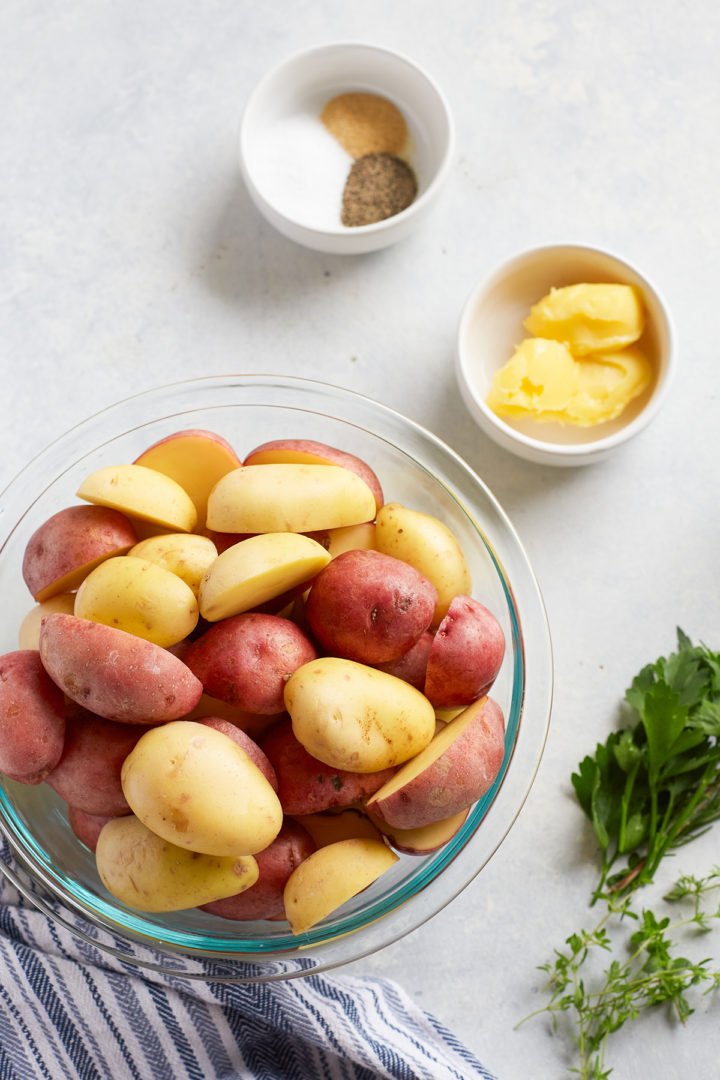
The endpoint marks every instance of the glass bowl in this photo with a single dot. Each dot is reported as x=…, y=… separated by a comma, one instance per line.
x=54, y=870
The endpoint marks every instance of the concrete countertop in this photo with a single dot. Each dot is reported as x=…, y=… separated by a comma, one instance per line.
x=132, y=257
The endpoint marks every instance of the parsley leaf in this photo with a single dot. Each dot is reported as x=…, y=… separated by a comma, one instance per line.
x=656, y=783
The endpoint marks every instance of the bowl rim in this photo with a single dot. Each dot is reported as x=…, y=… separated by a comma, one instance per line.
x=415, y=208
x=451, y=879
x=506, y=435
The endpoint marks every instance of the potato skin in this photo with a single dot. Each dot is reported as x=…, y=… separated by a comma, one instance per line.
x=355, y=717
x=188, y=555
x=88, y=773
x=150, y=874
x=115, y=674
x=466, y=655
x=199, y=790
x=305, y=784
x=69, y=544
x=246, y=660
x=412, y=665
x=32, y=718
x=243, y=740
x=369, y=607
x=87, y=827
x=427, y=544
x=451, y=781
x=141, y=597
x=264, y=899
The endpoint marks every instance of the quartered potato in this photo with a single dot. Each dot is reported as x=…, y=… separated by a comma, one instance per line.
x=193, y=605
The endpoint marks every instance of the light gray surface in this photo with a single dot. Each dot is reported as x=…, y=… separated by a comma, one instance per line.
x=132, y=257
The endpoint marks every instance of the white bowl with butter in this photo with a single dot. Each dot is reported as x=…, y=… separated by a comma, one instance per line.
x=492, y=327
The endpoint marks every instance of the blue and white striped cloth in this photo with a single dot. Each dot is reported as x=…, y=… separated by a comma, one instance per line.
x=71, y=1010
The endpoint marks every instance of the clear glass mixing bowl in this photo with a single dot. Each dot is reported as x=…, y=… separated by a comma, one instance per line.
x=56, y=872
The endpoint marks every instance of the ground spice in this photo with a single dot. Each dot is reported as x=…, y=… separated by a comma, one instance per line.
x=378, y=186
x=365, y=124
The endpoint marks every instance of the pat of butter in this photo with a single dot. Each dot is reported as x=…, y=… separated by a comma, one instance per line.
x=540, y=377
x=589, y=317
x=544, y=381
x=608, y=382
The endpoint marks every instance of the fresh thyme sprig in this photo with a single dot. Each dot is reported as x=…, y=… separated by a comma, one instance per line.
x=652, y=972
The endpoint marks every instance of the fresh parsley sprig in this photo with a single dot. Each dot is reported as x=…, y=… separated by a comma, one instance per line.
x=655, y=784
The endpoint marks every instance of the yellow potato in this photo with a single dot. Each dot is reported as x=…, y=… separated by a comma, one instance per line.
x=148, y=873
x=29, y=632
x=186, y=555
x=589, y=317
x=197, y=788
x=139, y=597
x=355, y=717
x=351, y=538
x=256, y=570
x=427, y=544
x=142, y=493
x=289, y=498
x=343, y=825
x=330, y=876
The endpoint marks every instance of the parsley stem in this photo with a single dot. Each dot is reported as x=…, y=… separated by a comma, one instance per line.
x=629, y=784
x=655, y=854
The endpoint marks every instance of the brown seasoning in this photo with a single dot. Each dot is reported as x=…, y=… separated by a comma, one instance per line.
x=378, y=187
x=365, y=124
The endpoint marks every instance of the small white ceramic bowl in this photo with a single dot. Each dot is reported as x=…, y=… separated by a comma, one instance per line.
x=277, y=164
x=491, y=327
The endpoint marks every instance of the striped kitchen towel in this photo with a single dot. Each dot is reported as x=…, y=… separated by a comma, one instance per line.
x=69, y=1009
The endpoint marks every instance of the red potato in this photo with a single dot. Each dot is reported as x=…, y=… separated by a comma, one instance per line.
x=466, y=655
x=32, y=718
x=87, y=827
x=88, y=773
x=225, y=540
x=369, y=607
x=253, y=724
x=411, y=667
x=425, y=839
x=455, y=770
x=62, y=552
x=305, y=784
x=307, y=452
x=195, y=459
x=264, y=899
x=251, y=748
x=246, y=660
x=115, y=674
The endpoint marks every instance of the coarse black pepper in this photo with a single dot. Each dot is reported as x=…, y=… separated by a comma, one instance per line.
x=378, y=187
